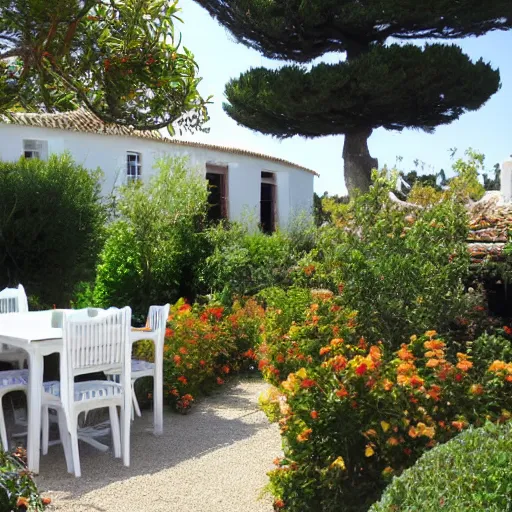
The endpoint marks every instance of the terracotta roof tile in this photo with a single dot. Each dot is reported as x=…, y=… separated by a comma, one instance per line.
x=82, y=120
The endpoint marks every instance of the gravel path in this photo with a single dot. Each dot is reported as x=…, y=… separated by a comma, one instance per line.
x=214, y=459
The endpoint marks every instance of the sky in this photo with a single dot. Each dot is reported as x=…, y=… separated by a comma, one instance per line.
x=220, y=58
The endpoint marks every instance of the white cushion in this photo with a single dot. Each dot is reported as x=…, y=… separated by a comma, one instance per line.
x=14, y=378
x=87, y=390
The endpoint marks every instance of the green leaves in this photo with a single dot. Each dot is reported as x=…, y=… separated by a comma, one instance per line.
x=119, y=59
x=395, y=87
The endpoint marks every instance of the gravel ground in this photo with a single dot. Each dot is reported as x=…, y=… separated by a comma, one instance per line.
x=214, y=459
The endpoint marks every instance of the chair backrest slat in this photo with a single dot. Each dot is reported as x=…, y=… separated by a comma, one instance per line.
x=157, y=321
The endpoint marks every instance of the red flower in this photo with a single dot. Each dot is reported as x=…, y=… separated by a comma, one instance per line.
x=182, y=379
x=202, y=362
x=225, y=368
x=458, y=377
x=220, y=381
x=169, y=332
x=507, y=330
x=279, y=504
x=307, y=383
x=314, y=415
x=361, y=369
x=184, y=308
x=177, y=360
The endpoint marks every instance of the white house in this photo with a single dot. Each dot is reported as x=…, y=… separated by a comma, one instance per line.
x=244, y=183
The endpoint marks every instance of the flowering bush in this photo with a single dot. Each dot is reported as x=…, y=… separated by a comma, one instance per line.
x=203, y=346
x=18, y=491
x=353, y=413
x=402, y=270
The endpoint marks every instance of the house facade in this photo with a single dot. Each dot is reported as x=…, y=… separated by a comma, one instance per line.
x=243, y=184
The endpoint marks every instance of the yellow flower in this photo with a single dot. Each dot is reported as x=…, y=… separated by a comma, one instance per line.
x=413, y=338
x=385, y=426
x=338, y=463
x=302, y=374
x=369, y=451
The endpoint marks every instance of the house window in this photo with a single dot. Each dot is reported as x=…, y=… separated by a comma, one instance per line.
x=268, y=202
x=35, y=149
x=217, y=192
x=133, y=166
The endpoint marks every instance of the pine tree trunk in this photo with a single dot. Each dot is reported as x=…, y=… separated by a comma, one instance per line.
x=358, y=161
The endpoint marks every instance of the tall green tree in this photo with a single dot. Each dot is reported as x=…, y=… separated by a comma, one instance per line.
x=121, y=59
x=375, y=84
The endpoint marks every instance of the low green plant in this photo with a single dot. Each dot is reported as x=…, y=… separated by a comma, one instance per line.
x=18, y=491
x=244, y=261
x=469, y=472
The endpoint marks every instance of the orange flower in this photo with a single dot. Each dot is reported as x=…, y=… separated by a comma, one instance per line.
x=342, y=392
x=476, y=389
x=280, y=358
x=371, y=433
x=375, y=353
x=182, y=379
x=413, y=432
x=432, y=363
x=338, y=363
x=325, y=350
x=188, y=397
x=336, y=341
x=314, y=415
x=22, y=502
x=225, y=369
x=279, y=503
x=393, y=441
x=169, y=333
x=459, y=425
x=202, y=362
x=185, y=308
x=405, y=368
x=304, y=435
x=307, y=383
x=430, y=334
x=434, y=345
x=434, y=392
x=177, y=359
x=387, y=385
x=46, y=501
x=435, y=353
x=416, y=381
x=183, y=350
x=405, y=354
x=464, y=365
x=497, y=366
x=220, y=381
x=402, y=380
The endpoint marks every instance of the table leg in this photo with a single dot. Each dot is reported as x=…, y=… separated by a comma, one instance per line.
x=35, y=392
x=158, y=391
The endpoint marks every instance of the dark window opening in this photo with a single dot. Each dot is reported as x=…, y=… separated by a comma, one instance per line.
x=267, y=208
x=217, y=199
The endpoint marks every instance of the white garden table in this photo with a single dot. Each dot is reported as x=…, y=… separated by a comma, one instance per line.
x=33, y=332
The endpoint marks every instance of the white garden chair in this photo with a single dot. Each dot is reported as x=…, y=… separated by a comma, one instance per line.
x=13, y=300
x=90, y=345
x=10, y=380
x=156, y=324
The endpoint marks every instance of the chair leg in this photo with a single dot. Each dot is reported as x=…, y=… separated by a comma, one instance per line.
x=45, y=427
x=135, y=402
x=116, y=433
x=65, y=440
x=74, y=447
x=125, y=434
x=3, y=431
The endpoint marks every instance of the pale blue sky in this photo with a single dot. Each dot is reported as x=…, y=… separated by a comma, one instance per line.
x=220, y=58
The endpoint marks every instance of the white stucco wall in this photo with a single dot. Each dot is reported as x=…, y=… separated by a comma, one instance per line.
x=294, y=186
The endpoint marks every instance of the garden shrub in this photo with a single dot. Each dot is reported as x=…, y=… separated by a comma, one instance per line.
x=403, y=271
x=204, y=345
x=155, y=241
x=51, y=221
x=470, y=472
x=353, y=413
x=244, y=261
x=18, y=491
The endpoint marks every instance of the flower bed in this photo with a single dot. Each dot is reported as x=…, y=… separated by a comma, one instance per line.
x=204, y=345
x=353, y=414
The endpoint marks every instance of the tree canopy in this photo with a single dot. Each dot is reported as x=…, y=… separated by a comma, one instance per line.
x=121, y=59
x=375, y=84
